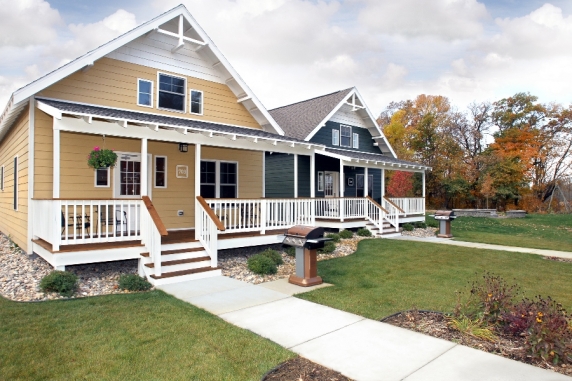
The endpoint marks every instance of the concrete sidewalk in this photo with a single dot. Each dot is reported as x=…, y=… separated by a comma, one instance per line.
x=359, y=348
x=477, y=245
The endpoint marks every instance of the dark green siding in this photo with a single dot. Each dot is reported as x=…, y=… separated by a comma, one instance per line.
x=279, y=168
x=303, y=176
x=324, y=136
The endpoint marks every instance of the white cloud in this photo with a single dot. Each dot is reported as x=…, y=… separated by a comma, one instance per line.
x=445, y=19
x=27, y=22
x=394, y=76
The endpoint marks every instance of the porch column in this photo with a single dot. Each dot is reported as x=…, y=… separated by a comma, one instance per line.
x=295, y=175
x=365, y=182
x=383, y=183
x=313, y=175
x=56, y=156
x=423, y=187
x=144, y=168
x=197, y=187
x=341, y=178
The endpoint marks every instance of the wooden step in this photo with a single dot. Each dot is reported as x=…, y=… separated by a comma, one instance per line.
x=179, y=261
x=180, y=251
x=185, y=272
x=146, y=255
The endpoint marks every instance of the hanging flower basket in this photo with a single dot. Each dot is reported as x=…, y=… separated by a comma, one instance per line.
x=101, y=158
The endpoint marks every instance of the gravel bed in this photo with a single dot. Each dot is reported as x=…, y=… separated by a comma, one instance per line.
x=421, y=233
x=20, y=275
x=234, y=261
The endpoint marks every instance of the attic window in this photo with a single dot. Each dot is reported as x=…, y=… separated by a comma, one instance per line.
x=171, y=92
x=346, y=136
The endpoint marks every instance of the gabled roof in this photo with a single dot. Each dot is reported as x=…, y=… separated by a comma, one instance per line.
x=20, y=97
x=304, y=119
x=299, y=119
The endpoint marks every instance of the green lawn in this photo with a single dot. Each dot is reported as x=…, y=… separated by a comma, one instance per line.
x=387, y=276
x=538, y=231
x=148, y=336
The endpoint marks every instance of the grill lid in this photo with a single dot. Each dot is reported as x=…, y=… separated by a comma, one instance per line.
x=305, y=232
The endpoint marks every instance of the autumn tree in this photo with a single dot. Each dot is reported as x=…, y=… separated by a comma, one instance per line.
x=400, y=184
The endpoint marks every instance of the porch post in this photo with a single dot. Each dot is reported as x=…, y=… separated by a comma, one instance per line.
x=197, y=188
x=144, y=168
x=56, y=156
x=383, y=183
x=342, y=204
x=365, y=182
x=313, y=175
x=295, y=175
x=423, y=177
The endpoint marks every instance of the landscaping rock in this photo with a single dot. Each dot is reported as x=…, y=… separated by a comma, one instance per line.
x=421, y=233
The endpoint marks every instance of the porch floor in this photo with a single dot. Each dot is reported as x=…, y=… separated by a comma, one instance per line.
x=87, y=246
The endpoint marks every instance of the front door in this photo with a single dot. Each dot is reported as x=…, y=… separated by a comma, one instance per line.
x=127, y=175
x=331, y=185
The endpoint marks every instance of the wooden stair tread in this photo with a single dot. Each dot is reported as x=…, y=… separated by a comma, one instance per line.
x=180, y=251
x=185, y=272
x=146, y=255
x=179, y=261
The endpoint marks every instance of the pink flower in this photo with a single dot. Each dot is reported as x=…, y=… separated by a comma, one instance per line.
x=96, y=148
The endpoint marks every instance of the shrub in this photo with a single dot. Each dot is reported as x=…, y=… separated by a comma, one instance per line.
x=345, y=234
x=328, y=248
x=364, y=232
x=62, y=282
x=273, y=255
x=407, y=227
x=493, y=296
x=290, y=251
x=421, y=225
x=260, y=264
x=431, y=222
x=133, y=282
x=334, y=237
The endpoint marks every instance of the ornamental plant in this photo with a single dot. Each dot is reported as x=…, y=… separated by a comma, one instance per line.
x=493, y=296
x=274, y=255
x=101, y=158
x=62, y=282
x=262, y=265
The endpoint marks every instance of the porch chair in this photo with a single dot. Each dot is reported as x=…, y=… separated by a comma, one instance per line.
x=78, y=224
x=120, y=222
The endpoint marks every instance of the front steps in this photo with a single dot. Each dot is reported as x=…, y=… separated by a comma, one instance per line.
x=180, y=262
x=387, y=230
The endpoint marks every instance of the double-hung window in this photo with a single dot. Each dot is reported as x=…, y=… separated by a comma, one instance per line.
x=171, y=92
x=196, y=102
x=345, y=136
x=145, y=93
x=335, y=137
x=219, y=179
x=356, y=140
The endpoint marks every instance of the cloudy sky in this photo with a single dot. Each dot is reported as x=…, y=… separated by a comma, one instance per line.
x=290, y=50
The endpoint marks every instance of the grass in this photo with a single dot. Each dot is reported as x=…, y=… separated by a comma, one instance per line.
x=388, y=276
x=537, y=231
x=147, y=336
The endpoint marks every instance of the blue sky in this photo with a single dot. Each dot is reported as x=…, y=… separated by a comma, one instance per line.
x=289, y=50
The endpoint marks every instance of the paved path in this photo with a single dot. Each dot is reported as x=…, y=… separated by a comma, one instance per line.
x=360, y=348
x=448, y=241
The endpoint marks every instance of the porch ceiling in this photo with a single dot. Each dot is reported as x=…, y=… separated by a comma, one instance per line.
x=373, y=160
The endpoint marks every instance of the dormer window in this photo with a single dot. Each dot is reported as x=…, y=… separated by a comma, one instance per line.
x=345, y=136
x=171, y=93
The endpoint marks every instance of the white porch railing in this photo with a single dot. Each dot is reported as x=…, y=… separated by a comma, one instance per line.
x=151, y=236
x=70, y=222
x=392, y=215
x=207, y=232
x=409, y=205
x=375, y=213
x=340, y=208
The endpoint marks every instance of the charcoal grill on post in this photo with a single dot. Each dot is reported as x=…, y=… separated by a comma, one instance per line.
x=306, y=240
x=444, y=217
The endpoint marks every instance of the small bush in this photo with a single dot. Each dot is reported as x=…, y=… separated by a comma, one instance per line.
x=260, y=264
x=493, y=296
x=290, y=251
x=364, y=232
x=407, y=227
x=62, y=282
x=432, y=223
x=133, y=282
x=421, y=225
x=328, y=248
x=274, y=255
x=334, y=237
x=345, y=234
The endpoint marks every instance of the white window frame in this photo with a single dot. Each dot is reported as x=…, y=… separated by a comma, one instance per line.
x=191, y=101
x=159, y=73
x=355, y=140
x=16, y=165
x=155, y=171
x=341, y=137
x=108, y=178
x=2, y=178
x=335, y=137
x=217, y=175
x=320, y=181
x=151, y=93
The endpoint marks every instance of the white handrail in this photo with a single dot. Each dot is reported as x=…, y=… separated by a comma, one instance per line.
x=207, y=233
x=151, y=238
x=410, y=205
x=392, y=215
x=375, y=214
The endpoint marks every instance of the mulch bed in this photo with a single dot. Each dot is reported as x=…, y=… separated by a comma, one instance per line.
x=301, y=369
x=435, y=324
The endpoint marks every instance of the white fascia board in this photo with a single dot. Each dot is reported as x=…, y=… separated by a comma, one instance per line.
x=329, y=116
x=334, y=155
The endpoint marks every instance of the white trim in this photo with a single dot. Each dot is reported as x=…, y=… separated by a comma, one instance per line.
x=155, y=171
x=16, y=188
x=191, y=101
x=320, y=181
x=150, y=94
x=313, y=174
x=295, y=175
x=2, y=178
x=197, y=179
x=31, y=170
x=335, y=137
x=145, y=169
x=350, y=137
x=184, y=94
x=108, y=178
x=263, y=174
x=355, y=140
x=56, y=159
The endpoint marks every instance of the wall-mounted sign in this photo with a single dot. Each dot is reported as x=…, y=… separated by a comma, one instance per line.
x=182, y=171
x=350, y=181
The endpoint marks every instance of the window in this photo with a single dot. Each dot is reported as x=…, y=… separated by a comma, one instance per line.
x=129, y=178
x=171, y=93
x=102, y=177
x=219, y=179
x=160, y=172
x=356, y=140
x=335, y=137
x=320, y=181
x=196, y=102
x=2, y=178
x=144, y=93
x=16, y=183
x=346, y=136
